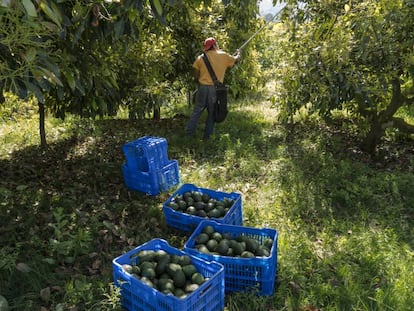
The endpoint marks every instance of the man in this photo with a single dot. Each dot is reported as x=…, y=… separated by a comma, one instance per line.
x=206, y=94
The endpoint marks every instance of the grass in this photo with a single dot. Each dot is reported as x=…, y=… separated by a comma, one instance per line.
x=345, y=220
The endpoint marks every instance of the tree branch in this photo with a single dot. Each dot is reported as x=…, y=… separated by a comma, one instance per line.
x=400, y=124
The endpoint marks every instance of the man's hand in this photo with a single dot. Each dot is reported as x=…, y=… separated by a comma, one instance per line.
x=238, y=55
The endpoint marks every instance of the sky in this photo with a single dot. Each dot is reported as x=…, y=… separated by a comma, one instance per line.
x=266, y=6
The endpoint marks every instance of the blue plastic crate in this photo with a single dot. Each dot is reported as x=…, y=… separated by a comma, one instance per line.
x=187, y=223
x=137, y=296
x=152, y=182
x=146, y=154
x=256, y=274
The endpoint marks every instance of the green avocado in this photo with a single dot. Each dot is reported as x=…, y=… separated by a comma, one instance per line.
x=189, y=270
x=179, y=278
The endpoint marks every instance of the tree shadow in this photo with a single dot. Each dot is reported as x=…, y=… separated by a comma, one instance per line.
x=83, y=176
x=337, y=183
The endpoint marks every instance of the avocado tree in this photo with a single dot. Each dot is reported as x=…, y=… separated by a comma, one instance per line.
x=88, y=57
x=240, y=24
x=350, y=56
x=58, y=51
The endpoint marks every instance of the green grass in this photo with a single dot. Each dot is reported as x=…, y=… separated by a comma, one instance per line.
x=345, y=220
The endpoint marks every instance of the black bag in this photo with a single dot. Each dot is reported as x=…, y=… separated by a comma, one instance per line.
x=220, y=106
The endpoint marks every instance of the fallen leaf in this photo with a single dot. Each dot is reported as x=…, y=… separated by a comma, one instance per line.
x=45, y=293
x=22, y=267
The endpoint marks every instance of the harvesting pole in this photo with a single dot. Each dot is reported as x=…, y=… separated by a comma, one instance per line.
x=261, y=28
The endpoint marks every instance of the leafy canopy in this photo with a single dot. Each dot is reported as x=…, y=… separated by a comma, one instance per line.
x=356, y=57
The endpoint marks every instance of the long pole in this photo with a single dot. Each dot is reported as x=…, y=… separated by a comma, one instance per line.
x=261, y=28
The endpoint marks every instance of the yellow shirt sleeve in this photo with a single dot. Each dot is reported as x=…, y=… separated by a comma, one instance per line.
x=219, y=60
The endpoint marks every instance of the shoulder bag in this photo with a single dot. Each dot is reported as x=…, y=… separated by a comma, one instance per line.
x=220, y=106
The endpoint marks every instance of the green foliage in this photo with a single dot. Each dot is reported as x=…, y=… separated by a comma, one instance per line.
x=65, y=245
x=15, y=109
x=344, y=219
x=91, y=58
x=23, y=42
x=356, y=57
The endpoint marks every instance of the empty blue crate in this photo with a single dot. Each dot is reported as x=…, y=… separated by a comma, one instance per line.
x=152, y=182
x=190, y=205
x=146, y=153
x=138, y=295
x=252, y=271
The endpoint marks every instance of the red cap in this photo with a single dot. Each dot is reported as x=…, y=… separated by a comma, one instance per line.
x=208, y=43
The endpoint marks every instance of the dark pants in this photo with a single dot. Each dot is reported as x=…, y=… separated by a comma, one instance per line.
x=205, y=98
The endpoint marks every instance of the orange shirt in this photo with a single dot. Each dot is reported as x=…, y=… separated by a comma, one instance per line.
x=219, y=60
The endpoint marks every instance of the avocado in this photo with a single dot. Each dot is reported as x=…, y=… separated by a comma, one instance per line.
x=209, y=206
x=205, y=197
x=237, y=247
x=175, y=258
x=146, y=265
x=179, y=278
x=200, y=205
x=191, y=210
x=203, y=249
x=127, y=268
x=227, y=202
x=252, y=245
x=182, y=205
x=202, y=238
x=247, y=254
x=212, y=245
x=159, y=254
x=230, y=252
x=268, y=243
x=172, y=268
x=146, y=255
x=162, y=265
x=174, y=205
x=223, y=247
x=189, y=201
x=197, y=196
x=221, y=212
x=201, y=213
x=189, y=270
x=197, y=278
x=147, y=281
x=148, y=272
x=184, y=260
x=191, y=288
x=208, y=229
x=187, y=195
x=216, y=236
x=262, y=251
x=179, y=293
x=166, y=284
x=214, y=213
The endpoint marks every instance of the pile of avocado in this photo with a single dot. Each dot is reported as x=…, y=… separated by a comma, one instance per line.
x=211, y=242
x=170, y=274
x=200, y=204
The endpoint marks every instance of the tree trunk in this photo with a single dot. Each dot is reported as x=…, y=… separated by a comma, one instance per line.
x=372, y=139
x=157, y=111
x=2, y=99
x=384, y=119
x=42, y=132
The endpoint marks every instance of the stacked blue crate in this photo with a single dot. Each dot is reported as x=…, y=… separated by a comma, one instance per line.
x=147, y=168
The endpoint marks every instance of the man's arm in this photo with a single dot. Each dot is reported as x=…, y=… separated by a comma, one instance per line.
x=196, y=74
